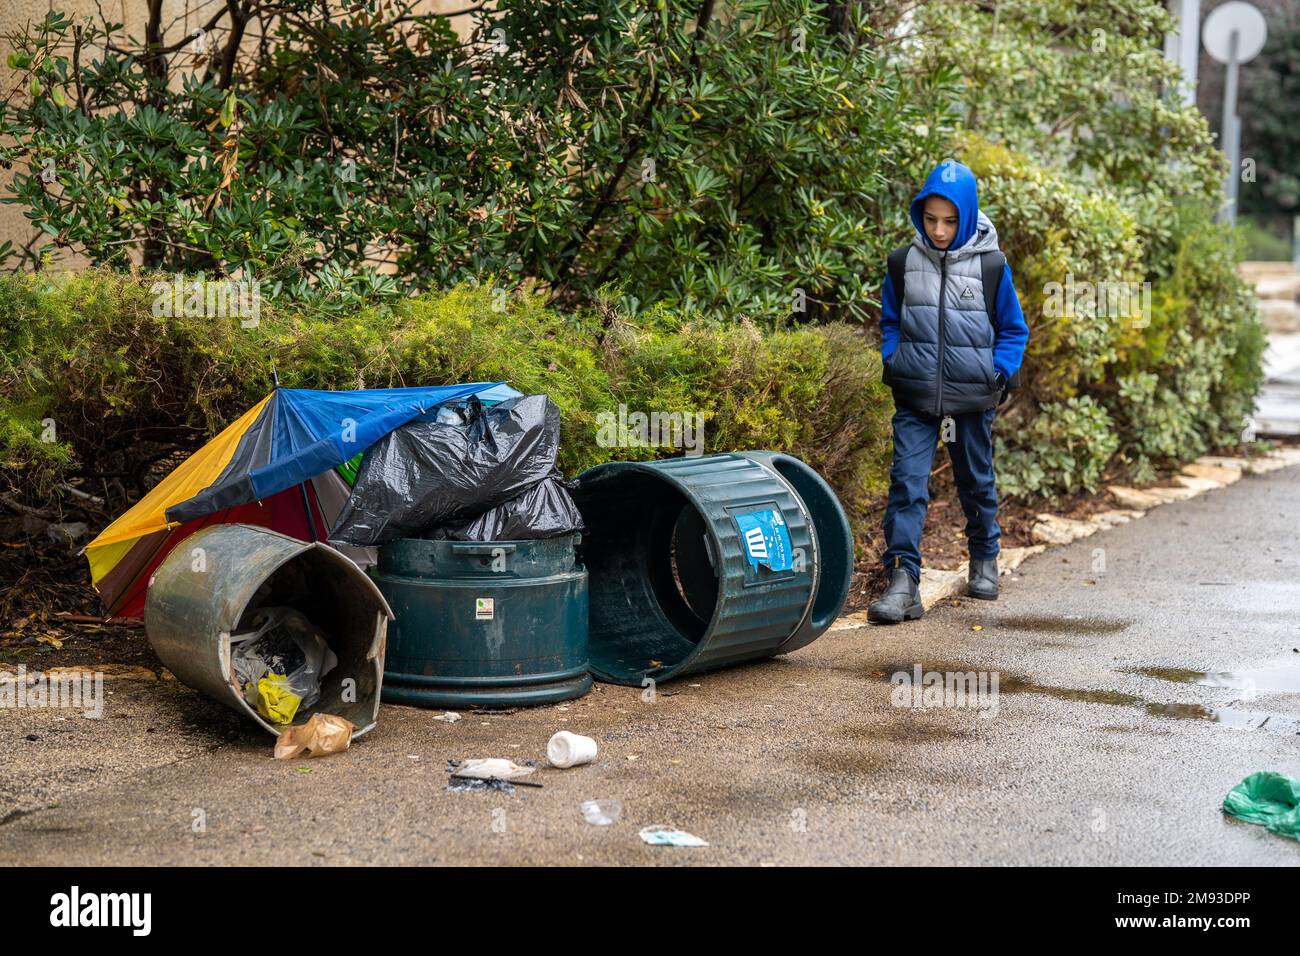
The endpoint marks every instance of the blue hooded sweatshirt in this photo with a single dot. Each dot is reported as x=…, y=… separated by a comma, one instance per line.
x=958, y=186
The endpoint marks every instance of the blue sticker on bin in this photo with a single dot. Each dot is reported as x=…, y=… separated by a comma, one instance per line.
x=767, y=540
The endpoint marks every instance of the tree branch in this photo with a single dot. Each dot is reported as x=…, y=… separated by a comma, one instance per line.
x=238, y=22
x=606, y=198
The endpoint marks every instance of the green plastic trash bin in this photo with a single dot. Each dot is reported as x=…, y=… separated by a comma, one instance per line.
x=484, y=623
x=676, y=587
x=832, y=544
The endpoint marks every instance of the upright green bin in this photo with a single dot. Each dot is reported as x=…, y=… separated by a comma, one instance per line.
x=484, y=623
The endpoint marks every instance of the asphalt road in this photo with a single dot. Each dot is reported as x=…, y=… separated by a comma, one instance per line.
x=1101, y=749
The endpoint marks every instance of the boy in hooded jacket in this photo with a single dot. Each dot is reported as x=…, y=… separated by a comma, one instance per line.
x=952, y=340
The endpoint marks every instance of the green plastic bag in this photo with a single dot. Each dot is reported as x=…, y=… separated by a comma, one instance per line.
x=1269, y=799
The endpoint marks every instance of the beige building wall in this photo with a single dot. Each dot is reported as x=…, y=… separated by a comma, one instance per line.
x=183, y=15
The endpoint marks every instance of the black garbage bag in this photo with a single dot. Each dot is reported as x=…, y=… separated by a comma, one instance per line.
x=430, y=473
x=543, y=511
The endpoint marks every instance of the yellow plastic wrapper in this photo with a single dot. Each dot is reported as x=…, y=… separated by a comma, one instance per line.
x=273, y=699
x=322, y=735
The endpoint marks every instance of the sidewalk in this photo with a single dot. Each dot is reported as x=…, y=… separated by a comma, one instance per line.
x=1277, y=410
x=1277, y=287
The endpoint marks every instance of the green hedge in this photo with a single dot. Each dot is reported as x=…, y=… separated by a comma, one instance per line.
x=128, y=391
x=94, y=386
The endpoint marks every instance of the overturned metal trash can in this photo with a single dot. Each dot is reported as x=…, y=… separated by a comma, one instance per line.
x=682, y=580
x=204, y=589
x=484, y=623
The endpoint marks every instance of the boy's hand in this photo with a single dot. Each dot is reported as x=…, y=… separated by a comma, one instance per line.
x=1000, y=383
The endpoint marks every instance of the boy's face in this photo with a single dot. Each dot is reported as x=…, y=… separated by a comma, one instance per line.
x=940, y=218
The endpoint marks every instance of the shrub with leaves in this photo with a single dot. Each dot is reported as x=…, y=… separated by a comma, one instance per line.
x=736, y=161
x=1187, y=384
x=1082, y=86
x=1065, y=446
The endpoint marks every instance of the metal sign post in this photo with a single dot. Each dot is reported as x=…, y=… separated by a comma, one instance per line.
x=1234, y=33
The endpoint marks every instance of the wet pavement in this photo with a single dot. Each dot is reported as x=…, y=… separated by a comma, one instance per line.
x=1140, y=674
x=1277, y=408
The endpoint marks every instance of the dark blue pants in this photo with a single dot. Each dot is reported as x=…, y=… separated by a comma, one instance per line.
x=915, y=436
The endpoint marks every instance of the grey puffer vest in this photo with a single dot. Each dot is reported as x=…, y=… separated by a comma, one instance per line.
x=944, y=361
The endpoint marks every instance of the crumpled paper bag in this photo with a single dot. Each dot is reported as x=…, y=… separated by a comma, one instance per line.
x=322, y=735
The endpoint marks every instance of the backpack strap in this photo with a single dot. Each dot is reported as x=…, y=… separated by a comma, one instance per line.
x=897, y=263
x=993, y=265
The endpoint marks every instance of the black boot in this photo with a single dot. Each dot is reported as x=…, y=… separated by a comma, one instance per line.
x=982, y=579
x=900, y=602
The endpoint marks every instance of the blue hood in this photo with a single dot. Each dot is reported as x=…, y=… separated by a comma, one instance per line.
x=958, y=187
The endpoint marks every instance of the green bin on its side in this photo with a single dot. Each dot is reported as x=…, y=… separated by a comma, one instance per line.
x=832, y=543
x=673, y=588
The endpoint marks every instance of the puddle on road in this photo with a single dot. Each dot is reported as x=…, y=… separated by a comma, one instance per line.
x=1069, y=624
x=1276, y=679
x=1091, y=695
x=1228, y=716
x=909, y=732
x=1127, y=729
x=1177, y=675
x=876, y=748
x=1010, y=683
x=1272, y=679
x=855, y=762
